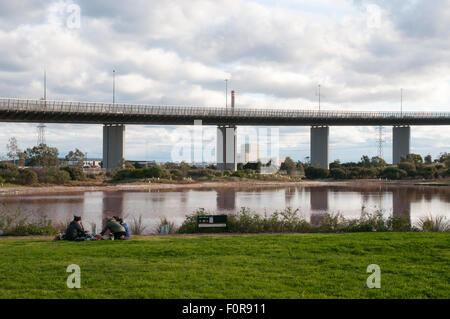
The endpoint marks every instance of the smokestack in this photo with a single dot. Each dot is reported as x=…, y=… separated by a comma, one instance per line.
x=233, y=95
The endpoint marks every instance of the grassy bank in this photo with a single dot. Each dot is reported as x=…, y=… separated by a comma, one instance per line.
x=413, y=265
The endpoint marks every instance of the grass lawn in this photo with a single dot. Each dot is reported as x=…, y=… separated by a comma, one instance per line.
x=413, y=265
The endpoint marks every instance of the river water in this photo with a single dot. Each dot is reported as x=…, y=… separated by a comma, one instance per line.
x=406, y=201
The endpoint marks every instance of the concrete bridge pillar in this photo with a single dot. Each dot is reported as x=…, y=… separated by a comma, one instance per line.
x=226, y=148
x=320, y=137
x=113, y=145
x=401, y=140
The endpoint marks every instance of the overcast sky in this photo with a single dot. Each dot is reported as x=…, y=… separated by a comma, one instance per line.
x=274, y=53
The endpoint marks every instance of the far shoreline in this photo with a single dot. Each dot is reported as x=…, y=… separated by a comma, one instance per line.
x=142, y=186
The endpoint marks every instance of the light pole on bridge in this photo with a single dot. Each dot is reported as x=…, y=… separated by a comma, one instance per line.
x=114, y=86
x=226, y=93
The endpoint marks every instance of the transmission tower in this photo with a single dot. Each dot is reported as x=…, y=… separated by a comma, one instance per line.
x=380, y=141
x=41, y=134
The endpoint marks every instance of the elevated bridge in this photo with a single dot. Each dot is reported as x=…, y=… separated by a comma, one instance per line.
x=114, y=116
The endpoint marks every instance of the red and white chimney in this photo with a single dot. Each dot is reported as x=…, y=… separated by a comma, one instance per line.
x=233, y=97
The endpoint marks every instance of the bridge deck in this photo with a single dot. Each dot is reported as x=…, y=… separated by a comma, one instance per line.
x=20, y=110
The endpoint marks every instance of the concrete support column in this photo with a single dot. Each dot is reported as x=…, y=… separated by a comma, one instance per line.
x=401, y=140
x=113, y=145
x=226, y=148
x=320, y=137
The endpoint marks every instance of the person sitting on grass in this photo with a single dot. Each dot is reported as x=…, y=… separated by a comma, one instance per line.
x=127, y=231
x=75, y=231
x=114, y=227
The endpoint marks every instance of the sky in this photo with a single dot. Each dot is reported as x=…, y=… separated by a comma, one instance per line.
x=273, y=53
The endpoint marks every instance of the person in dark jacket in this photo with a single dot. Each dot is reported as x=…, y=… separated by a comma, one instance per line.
x=114, y=227
x=75, y=231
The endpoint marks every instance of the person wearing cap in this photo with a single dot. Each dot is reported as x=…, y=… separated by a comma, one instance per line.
x=75, y=231
x=114, y=227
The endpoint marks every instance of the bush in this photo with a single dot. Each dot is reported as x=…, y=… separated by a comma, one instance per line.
x=27, y=177
x=240, y=174
x=433, y=224
x=52, y=176
x=393, y=173
x=8, y=172
x=290, y=220
x=137, y=226
x=408, y=167
x=316, y=172
x=189, y=224
x=132, y=173
x=201, y=172
x=76, y=173
x=427, y=171
x=338, y=173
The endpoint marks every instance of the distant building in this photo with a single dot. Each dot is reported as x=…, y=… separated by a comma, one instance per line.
x=249, y=153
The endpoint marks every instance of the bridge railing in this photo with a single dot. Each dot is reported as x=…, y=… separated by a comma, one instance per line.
x=13, y=105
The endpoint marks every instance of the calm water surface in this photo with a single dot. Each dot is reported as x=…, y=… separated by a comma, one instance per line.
x=410, y=201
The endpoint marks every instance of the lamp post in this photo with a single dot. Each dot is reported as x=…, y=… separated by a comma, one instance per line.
x=226, y=93
x=114, y=86
x=401, y=102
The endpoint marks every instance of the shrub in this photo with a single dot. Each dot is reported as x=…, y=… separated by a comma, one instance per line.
x=8, y=172
x=76, y=173
x=52, y=176
x=165, y=222
x=393, y=173
x=427, y=171
x=189, y=224
x=433, y=224
x=289, y=220
x=338, y=173
x=137, y=226
x=240, y=174
x=132, y=173
x=316, y=172
x=176, y=173
x=200, y=172
x=27, y=177
x=408, y=167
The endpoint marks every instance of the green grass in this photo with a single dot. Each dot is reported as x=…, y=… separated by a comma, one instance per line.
x=413, y=265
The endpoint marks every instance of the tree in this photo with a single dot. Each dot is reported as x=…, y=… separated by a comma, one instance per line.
x=408, y=167
x=300, y=167
x=413, y=158
x=76, y=157
x=377, y=161
x=445, y=159
x=42, y=155
x=288, y=165
x=13, y=149
x=365, y=161
x=428, y=160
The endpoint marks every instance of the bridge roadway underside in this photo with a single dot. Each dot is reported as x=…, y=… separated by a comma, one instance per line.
x=315, y=119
